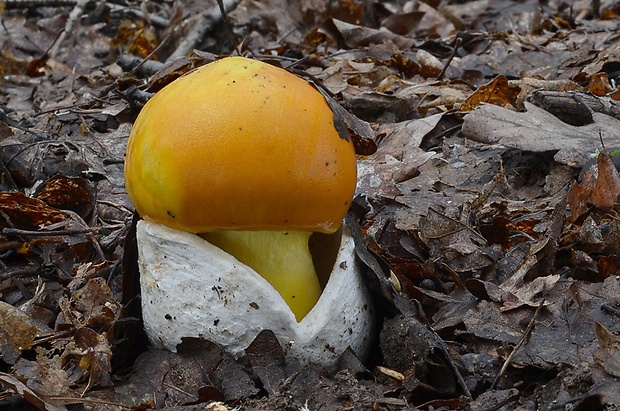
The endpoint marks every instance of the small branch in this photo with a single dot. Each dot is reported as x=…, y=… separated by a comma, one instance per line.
x=525, y=336
x=610, y=310
x=231, y=36
x=78, y=400
x=74, y=16
x=55, y=233
x=207, y=20
x=457, y=44
x=28, y=4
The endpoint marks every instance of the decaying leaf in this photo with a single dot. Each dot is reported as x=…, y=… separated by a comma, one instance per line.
x=39, y=401
x=93, y=306
x=219, y=369
x=599, y=187
x=69, y=193
x=267, y=359
x=453, y=243
x=496, y=92
x=20, y=211
x=45, y=375
x=608, y=353
x=91, y=351
x=17, y=332
x=353, y=35
x=538, y=131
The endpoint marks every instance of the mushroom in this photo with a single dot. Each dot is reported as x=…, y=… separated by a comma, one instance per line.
x=245, y=155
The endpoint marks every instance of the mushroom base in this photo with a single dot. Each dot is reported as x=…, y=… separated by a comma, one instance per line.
x=190, y=288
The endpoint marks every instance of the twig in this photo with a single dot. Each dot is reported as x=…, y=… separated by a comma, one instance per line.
x=525, y=336
x=610, y=310
x=21, y=272
x=11, y=123
x=151, y=54
x=55, y=233
x=206, y=21
x=27, y=4
x=78, y=400
x=154, y=19
x=563, y=405
x=457, y=44
x=231, y=36
x=74, y=16
x=76, y=217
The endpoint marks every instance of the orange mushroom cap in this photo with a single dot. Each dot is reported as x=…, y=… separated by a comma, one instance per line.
x=240, y=145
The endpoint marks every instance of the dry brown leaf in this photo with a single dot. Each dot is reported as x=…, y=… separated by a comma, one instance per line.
x=16, y=331
x=496, y=92
x=69, y=193
x=21, y=211
x=537, y=130
x=403, y=23
x=94, y=305
x=354, y=36
x=96, y=356
x=39, y=401
x=599, y=188
x=599, y=85
x=608, y=353
x=431, y=66
x=46, y=375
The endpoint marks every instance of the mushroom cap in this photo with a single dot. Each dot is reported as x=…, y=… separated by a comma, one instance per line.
x=240, y=145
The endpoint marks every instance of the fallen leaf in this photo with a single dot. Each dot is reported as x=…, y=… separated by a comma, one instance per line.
x=537, y=130
x=45, y=375
x=267, y=359
x=16, y=327
x=39, y=401
x=599, y=187
x=354, y=36
x=599, y=85
x=68, y=193
x=495, y=92
x=94, y=305
x=608, y=353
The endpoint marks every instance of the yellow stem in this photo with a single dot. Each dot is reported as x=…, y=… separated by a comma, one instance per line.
x=282, y=258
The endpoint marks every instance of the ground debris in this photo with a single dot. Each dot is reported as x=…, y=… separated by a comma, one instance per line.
x=486, y=208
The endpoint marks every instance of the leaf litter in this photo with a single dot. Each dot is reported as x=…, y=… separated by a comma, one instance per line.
x=486, y=208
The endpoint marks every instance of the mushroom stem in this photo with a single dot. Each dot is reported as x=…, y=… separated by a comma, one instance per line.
x=282, y=258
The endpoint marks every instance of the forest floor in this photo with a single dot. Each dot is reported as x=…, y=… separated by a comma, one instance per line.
x=487, y=201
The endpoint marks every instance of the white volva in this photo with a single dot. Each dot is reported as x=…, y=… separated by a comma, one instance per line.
x=191, y=288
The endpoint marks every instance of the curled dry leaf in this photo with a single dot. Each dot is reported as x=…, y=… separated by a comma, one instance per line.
x=430, y=65
x=354, y=36
x=537, y=130
x=608, y=353
x=94, y=305
x=23, y=212
x=495, y=92
x=69, y=193
x=95, y=354
x=17, y=332
x=21, y=389
x=599, y=85
x=45, y=375
x=599, y=187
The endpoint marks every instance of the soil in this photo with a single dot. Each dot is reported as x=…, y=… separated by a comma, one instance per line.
x=485, y=217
